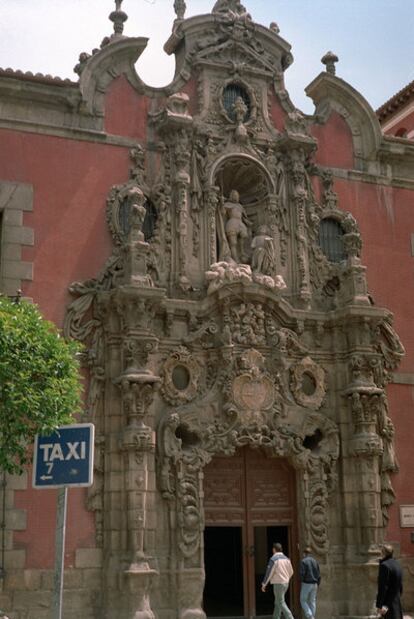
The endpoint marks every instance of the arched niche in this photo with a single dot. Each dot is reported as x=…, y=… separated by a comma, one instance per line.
x=249, y=177
x=246, y=175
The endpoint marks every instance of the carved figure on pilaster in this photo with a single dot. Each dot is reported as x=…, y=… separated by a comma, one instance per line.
x=277, y=206
x=137, y=170
x=213, y=200
x=198, y=163
x=159, y=259
x=182, y=233
x=329, y=197
x=300, y=197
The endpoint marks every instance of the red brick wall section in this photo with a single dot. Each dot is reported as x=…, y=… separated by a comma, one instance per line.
x=190, y=89
x=276, y=112
x=386, y=219
x=335, y=147
x=71, y=181
x=38, y=540
x=126, y=111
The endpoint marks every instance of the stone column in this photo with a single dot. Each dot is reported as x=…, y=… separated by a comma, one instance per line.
x=137, y=443
x=365, y=448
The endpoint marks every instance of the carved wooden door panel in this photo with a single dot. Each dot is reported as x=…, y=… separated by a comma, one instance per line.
x=256, y=493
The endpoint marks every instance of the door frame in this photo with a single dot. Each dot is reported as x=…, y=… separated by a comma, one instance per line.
x=248, y=519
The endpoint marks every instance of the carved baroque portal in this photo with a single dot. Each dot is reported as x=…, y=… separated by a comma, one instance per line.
x=221, y=321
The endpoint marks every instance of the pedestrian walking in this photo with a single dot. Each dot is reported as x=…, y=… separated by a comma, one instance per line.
x=390, y=585
x=279, y=571
x=310, y=578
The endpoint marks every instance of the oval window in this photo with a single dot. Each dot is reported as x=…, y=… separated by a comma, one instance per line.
x=308, y=384
x=180, y=377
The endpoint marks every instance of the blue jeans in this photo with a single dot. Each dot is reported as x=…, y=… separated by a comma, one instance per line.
x=308, y=593
x=280, y=604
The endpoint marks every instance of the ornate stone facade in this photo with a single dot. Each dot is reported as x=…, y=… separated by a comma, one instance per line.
x=232, y=314
x=255, y=333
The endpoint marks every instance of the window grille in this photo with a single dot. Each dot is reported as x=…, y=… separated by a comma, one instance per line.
x=230, y=94
x=331, y=240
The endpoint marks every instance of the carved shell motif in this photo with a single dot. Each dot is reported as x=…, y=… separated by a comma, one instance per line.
x=181, y=377
x=307, y=383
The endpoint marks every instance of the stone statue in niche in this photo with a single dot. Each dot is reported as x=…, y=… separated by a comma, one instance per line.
x=264, y=255
x=233, y=228
x=241, y=259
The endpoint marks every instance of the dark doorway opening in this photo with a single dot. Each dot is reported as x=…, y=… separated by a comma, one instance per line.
x=264, y=537
x=228, y=564
x=223, y=591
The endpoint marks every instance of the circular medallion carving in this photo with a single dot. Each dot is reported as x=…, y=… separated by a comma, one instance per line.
x=182, y=374
x=308, y=383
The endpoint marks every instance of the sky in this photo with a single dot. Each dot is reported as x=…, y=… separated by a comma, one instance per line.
x=373, y=39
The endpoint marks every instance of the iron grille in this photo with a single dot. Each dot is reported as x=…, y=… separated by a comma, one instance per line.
x=230, y=94
x=331, y=240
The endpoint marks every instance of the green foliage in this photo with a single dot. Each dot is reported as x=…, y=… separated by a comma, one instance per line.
x=39, y=381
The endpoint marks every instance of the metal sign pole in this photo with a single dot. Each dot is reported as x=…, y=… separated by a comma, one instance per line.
x=62, y=460
x=62, y=499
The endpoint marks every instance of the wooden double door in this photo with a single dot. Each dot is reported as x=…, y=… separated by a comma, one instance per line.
x=249, y=503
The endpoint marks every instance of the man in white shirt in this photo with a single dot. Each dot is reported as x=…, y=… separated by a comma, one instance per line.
x=278, y=573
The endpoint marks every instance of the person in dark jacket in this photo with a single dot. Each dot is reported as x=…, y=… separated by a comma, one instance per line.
x=389, y=585
x=310, y=578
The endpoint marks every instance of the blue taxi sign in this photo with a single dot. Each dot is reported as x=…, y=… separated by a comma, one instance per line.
x=64, y=458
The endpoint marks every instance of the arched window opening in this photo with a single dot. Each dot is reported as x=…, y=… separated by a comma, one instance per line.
x=230, y=95
x=331, y=239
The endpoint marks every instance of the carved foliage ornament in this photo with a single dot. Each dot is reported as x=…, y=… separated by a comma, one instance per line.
x=182, y=376
x=308, y=383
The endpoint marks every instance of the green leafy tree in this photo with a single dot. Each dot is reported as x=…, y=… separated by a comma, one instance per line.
x=39, y=381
